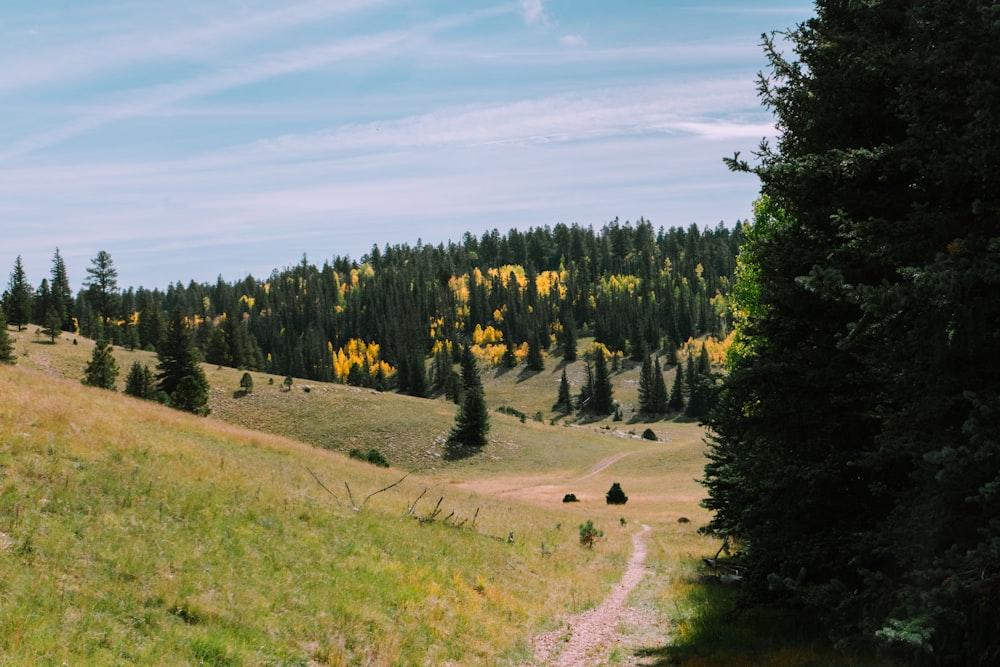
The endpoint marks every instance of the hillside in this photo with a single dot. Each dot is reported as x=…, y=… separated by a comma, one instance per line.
x=131, y=532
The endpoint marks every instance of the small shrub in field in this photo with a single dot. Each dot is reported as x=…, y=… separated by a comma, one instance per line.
x=570, y=498
x=648, y=434
x=615, y=495
x=246, y=384
x=589, y=534
x=372, y=456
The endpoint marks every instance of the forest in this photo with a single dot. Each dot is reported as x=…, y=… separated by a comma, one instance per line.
x=376, y=321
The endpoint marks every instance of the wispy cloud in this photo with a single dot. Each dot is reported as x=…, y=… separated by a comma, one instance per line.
x=534, y=11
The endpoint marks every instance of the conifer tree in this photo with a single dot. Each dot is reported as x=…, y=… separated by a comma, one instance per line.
x=855, y=453
x=676, y=402
x=472, y=423
x=565, y=400
x=568, y=334
x=62, y=293
x=601, y=402
x=6, y=344
x=140, y=382
x=17, y=298
x=535, y=359
x=181, y=378
x=646, y=386
x=659, y=389
x=102, y=285
x=102, y=370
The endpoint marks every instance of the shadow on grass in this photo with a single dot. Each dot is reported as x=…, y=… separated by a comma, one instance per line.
x=712, y=629
x=456, y=451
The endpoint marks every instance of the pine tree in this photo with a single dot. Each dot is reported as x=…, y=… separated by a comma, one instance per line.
x=855, y=453
x=565, y=400
x=140, y=382
x=62, y=293
x=472, y=423
x=102, y=285
x=535, y=360
x=17, y=298
x=181, y=378
x=676, y=402
x=568, y=339
x=659, y=402
x=102, y=371
x=646, y=397
x=6, y=345
x=601, y=402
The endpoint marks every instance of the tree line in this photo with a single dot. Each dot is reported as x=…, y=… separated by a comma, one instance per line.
x=375, y=321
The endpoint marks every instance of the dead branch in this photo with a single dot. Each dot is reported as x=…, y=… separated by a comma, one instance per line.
x=320, y=482
x=375, y=493
x=413, y=506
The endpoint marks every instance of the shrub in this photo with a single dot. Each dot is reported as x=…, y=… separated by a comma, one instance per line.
x=246, y=383
x=570, y=498
x=589, y=534
x=372, y=456
x=648, y=434
x=615, y=495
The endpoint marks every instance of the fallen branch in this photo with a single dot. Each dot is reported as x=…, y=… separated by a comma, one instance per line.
x=350, y=496
x=320, y=482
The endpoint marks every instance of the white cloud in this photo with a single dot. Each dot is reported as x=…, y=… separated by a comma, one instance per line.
x=534, y=11
x=574, y=41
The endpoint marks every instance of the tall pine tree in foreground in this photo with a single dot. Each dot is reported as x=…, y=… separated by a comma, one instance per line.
x=472, y=423
x=855, y=455
x=181, y=379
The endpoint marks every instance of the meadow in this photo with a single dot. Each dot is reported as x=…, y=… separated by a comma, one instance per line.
x=135, y=534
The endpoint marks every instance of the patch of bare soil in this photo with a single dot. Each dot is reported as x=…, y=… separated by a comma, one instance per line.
x=591, y=637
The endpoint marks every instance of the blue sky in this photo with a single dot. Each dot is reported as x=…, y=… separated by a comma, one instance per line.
x=192, y=139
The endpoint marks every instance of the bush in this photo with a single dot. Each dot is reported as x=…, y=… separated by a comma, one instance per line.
x=372, y=456
x=570, y=498
x=589, y=534
x=246, y=384
x=648, y=434
x=615, y=495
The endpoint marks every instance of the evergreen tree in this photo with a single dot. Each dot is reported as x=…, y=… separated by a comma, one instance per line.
x=246, y=384
x=140, y=382
x=587, y=389
x=62, y=293
x=102, y=286
x=565, y=401
x=568, y=337
x=659, y=389
x=535, y=359
x=6, y=344
x=472, y=423
x=646, y=386
x=17, y=298
x=676, y=402
x=102, y=370
x=180, y=377
x=855, y=453
x=601, y=402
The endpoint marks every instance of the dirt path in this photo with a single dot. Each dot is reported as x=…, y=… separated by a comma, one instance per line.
x=603, y=465
x=589, y=638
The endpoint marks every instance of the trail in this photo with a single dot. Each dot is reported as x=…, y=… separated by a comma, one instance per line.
x=588, y=638
x=603, y=465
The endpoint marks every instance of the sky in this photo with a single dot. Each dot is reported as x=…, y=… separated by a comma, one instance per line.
x=195, y=139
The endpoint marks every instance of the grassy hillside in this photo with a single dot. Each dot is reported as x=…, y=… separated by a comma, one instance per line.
x=130, y=532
